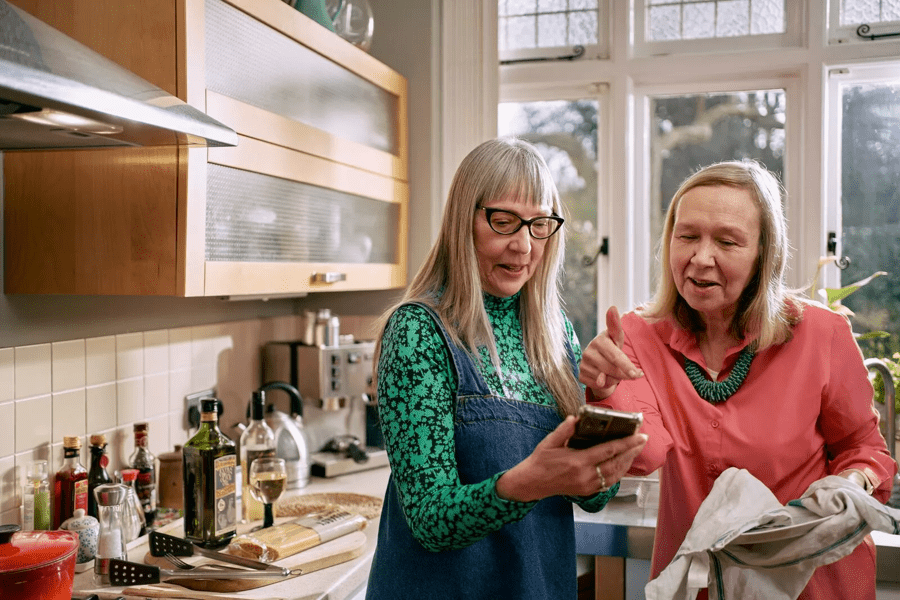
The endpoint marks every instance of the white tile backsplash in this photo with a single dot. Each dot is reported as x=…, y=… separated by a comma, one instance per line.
x=180, y=349
x=7, y=428
x=130, y=400
x=34, y=422
x=7, y=374
x=156, y=395
x=99, y=385
x=101, y=407
x=156, y=352
x=129, y=355
x=100, y=360
x=67, y=364
x=32, y=370
x=69, y=414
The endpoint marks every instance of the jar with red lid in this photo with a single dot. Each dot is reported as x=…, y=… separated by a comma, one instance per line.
x=37, y=564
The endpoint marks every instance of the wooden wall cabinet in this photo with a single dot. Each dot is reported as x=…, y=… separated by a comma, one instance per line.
x=313, y=198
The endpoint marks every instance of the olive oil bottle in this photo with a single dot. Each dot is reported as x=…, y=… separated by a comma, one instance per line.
x=210, y=461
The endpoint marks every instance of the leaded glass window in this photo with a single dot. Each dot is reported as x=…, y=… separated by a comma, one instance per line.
x=531, y=24
x=855, y=12
x=668, y=20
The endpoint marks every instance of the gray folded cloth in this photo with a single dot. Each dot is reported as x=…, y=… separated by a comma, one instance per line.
x=836, y=515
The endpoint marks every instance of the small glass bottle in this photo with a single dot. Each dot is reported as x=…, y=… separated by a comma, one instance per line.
x=210, y=502
x=257, y=441
x=145, y=462
x=71, y=484
x=36, y=497
x=97, y=474
x=133, y=512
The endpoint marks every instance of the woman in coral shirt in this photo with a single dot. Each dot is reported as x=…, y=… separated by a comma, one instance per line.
x=732, y=369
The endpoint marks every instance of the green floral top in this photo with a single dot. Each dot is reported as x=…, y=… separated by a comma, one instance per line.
x=416, y=386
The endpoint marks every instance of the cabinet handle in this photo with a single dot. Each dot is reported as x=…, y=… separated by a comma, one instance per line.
x=329, y=277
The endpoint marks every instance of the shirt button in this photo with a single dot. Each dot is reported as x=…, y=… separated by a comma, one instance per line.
x=715, y=424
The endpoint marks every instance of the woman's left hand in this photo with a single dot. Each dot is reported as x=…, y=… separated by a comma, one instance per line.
x=554, y=469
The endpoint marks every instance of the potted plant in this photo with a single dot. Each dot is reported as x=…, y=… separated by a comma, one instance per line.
x=832, y=298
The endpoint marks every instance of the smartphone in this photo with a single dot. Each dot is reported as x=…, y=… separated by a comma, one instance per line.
x=597, y=424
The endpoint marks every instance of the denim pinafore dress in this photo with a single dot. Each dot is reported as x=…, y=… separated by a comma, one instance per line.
x=533, y=558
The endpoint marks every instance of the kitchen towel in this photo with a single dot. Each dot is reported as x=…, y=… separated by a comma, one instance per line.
x=779, y=569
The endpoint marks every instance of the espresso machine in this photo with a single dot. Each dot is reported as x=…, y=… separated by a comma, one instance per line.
x=340, y=416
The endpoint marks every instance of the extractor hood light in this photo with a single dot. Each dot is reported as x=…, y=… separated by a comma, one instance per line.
x=58, y=118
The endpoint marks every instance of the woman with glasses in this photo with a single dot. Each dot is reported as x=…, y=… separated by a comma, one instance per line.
x=477, y=392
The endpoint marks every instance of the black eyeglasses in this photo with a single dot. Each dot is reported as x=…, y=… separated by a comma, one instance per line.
x=507, y=223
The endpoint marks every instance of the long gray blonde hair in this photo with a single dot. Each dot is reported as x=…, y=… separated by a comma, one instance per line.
x=766, y=309
x=449, y=281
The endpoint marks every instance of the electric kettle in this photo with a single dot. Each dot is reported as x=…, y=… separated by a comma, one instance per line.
x=291, y=442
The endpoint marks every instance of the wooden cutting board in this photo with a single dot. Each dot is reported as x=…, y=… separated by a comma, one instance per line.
x=324, y=555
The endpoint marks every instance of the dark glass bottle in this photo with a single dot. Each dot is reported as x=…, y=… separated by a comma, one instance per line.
x=97, y=474
x=71, y=484
x=145, y=463
x=210, y=461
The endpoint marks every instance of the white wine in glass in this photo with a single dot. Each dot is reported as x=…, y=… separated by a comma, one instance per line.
x=268, y=477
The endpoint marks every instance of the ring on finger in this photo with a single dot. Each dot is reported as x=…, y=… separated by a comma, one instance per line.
x=603, y=486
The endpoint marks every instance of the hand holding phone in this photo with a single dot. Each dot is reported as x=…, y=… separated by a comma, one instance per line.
x=597, y=424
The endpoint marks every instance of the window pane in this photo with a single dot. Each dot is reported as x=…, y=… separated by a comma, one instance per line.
x=566, y=134
x=693, y=19
x=860, y=11
x=525, y=24
x=870, y=209
x=693, y=131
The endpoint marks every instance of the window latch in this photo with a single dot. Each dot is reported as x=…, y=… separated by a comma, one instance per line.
x=844, y=261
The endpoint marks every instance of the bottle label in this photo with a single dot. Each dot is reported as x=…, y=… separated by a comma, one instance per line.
x=80, y=496
x=146, y=490
x=225, y=508
x=42, y=509
x=28, y=511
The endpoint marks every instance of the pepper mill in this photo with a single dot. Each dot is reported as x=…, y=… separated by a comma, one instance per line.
x=110, y=505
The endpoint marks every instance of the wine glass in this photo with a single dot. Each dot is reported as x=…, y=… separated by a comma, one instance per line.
x=268, y=477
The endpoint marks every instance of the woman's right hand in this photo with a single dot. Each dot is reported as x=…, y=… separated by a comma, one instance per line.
x=554, y=469
x=603, y=363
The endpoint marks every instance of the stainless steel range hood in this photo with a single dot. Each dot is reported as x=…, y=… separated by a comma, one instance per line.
x=57, y=93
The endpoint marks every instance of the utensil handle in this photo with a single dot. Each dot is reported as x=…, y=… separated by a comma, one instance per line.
x=240, y=560
x=221, y=574
x=166, y=590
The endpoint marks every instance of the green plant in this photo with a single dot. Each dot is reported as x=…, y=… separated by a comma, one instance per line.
x=832, y=299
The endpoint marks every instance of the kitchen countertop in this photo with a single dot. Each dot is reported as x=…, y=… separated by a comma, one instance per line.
x=333, y=583
x=626, y=528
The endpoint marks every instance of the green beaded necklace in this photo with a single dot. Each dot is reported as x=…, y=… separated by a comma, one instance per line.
x=715, y=392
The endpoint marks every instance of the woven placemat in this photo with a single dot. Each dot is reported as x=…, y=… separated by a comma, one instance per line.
x=305, y=504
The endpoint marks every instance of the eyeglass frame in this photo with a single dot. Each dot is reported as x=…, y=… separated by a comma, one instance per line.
x=488, y=212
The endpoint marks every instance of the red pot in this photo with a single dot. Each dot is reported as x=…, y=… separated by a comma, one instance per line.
x=37, y=565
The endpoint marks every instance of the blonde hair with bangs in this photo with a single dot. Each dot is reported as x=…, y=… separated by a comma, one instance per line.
x=767, y=309
x=449, y=281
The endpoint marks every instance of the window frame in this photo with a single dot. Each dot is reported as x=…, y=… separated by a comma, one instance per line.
x=846, y=34
x=801, y=70
x=840, y=76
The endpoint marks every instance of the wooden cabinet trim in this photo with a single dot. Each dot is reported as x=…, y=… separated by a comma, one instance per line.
x=261, y=157
x=235, y=279
x=263, y=125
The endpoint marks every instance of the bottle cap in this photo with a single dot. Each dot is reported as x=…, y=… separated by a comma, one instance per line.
x=129, y=475
x=71, y=441
x=141, y=427
x=209, y=405
x=98, y=439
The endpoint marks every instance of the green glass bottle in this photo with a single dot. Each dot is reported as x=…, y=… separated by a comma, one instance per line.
x=210, y=461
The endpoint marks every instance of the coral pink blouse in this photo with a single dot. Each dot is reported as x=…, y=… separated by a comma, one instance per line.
x=804, y=411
